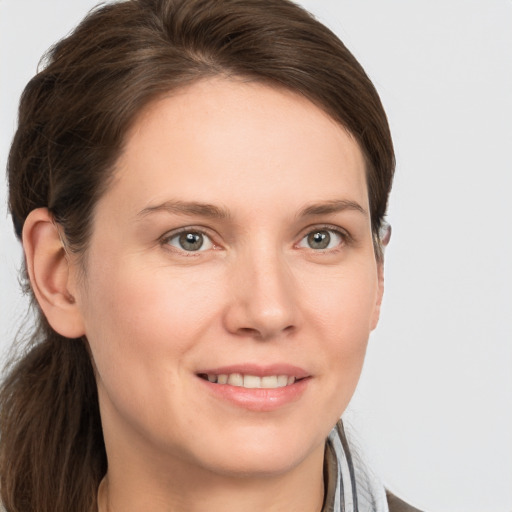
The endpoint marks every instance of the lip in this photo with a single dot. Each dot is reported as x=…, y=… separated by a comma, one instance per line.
x=258, y=399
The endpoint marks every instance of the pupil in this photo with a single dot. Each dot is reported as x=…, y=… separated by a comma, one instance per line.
x=191, y=241
x=319, y=239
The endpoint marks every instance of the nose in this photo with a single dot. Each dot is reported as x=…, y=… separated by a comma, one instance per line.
x=263, y=297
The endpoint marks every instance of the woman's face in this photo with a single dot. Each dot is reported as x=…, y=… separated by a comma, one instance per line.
x=230, y=283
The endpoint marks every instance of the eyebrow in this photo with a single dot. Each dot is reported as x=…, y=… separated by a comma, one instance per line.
x=187, y=208
x=333, y=206
x=215, y=212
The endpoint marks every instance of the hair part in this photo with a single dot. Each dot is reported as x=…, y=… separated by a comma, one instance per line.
x=73, y=119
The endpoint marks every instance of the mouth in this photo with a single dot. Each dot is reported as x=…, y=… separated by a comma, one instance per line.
x=259, y=388
x=250, y=381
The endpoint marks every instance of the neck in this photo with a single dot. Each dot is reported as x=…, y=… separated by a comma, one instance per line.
x=187, y=490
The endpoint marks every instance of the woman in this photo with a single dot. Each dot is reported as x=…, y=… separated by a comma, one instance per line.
x=200, y=188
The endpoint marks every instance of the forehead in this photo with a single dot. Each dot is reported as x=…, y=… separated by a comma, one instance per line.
x=224, y=139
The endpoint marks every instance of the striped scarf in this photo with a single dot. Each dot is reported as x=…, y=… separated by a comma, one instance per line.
x=350, y=486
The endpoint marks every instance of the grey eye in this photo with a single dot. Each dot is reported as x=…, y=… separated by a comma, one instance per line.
x=321, y=239
x=190, y=241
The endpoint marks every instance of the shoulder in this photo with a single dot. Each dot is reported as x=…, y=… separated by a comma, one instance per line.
x=397, y=505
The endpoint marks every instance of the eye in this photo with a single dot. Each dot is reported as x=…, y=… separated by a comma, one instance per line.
x=190, y=241
x=322, y=239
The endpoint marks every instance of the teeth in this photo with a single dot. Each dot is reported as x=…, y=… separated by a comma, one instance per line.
x=252, y=381
x=236, y=379
x=282, y=381
x=269, y=382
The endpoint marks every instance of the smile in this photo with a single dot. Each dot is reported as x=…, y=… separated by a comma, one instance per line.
x=250, y=381
x=258, y=388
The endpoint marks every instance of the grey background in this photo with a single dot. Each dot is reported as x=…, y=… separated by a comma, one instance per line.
x=433, y=410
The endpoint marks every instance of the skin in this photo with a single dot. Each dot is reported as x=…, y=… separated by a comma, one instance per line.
x=257, y=292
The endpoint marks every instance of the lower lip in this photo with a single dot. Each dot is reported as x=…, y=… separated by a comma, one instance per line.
x=258, y=399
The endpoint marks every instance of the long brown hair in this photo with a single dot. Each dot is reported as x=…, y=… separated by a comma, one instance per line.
x=73, y=117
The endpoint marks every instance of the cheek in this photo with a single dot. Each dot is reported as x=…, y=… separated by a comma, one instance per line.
x=341, y=307
x=343, y=301
x=140, y=318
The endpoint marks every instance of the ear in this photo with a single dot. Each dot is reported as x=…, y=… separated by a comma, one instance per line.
x=384, y=238
x=380, y=293
x=50, y=273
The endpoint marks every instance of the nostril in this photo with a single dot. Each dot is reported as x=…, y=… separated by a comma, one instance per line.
x=261, y=315
x=264, y=334
x=249, y=331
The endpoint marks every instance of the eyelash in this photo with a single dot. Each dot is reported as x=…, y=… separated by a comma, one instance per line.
x=345, y=238
x=166, y=239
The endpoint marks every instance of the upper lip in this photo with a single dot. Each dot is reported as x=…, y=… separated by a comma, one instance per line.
x=258, y=370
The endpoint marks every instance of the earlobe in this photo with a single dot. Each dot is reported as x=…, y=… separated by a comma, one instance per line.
x=49, y=270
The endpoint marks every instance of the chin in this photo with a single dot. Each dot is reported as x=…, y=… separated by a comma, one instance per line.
x=261, y=453
x=256, y=465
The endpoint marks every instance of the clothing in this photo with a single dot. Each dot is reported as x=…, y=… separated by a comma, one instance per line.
x=350, y=486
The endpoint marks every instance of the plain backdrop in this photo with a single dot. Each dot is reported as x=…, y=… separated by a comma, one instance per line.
x=433, y=411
